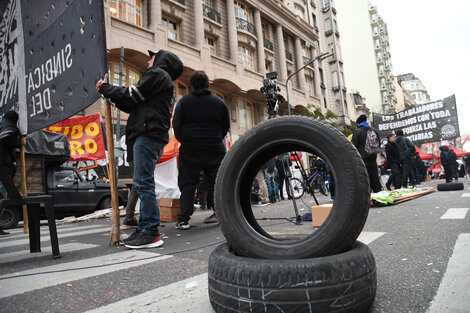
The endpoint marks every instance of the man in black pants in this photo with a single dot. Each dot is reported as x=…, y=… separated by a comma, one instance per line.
x=201, y=122
x=10, y=140
x=370, y=160
x=407, y=149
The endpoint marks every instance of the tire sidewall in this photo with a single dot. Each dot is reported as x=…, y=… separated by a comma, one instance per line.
x=352, y=187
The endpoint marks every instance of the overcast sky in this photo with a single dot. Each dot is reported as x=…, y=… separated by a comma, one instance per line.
x=431, y=39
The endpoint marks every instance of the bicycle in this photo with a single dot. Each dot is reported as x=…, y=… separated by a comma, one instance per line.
x=314, y=182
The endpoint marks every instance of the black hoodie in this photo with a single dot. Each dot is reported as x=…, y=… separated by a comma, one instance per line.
x=150, y=101
x=201, y=120
x=9, y=141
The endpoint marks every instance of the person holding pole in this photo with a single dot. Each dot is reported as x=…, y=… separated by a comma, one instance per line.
x=10, y=140
x=149, y=104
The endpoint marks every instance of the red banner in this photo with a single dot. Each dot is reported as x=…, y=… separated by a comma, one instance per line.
x=84, y=135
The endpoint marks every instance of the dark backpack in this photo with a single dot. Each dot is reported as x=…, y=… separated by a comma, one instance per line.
x=407, y=150
x=372, y=145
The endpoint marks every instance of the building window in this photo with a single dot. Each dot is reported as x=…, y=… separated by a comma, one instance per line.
x=241, y=11
x=181, y=91
x=268, y=66
x=314, y=20
x=310, y=85
x=328, y=26
x=246, y=115
x=299, y=11
x=129, y=75
x=127, y=10
x=212, y=42
x=172, y=27
x=334, y=76
x=246, y=56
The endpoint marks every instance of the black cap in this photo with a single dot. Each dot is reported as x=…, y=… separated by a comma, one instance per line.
x=361, y=118
x=11, y=116
x=151, y=53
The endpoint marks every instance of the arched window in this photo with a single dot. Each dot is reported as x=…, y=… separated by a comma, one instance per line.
x=130, y=75
x=245, y=109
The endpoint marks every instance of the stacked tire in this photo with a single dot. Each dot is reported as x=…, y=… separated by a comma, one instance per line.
x=325, y=271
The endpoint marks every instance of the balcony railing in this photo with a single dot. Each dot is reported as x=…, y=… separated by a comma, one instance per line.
x=268, y=44
x=289, y=56
x=245, y=25
x=211, y=13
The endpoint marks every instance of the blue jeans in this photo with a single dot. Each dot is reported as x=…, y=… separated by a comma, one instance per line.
x=147, y=152
x=271, y=184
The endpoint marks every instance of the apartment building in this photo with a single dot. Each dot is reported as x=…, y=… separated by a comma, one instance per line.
x=415, y=87
x=366, y=53
x=236, y=43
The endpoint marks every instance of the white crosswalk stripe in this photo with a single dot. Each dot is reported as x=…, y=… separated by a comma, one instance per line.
x=466, y=195
x=367, y=237
x=17, y=283
x=162, y=300
x=45, y=231
x=453, y=292
x=18, y=242
x=455, y=213
x=26, y=254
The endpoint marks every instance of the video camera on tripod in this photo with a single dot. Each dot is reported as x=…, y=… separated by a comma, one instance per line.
x=270, y=90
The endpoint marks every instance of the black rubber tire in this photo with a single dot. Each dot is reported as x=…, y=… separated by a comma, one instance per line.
x=273, y=137
x=345, y=282
x=105, y=203
x=450, y=186
x=297, y=187
x=10, y=218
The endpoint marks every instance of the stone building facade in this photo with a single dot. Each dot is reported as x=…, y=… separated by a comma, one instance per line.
x=236, y=43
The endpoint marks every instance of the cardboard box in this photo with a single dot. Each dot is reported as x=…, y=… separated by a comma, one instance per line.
x=169, y=214
x=320, y=213
x=168, y=203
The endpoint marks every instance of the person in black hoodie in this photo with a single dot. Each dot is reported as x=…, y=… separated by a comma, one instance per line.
x=149, y=104
x=10, y=140
x=446, y=163
x=393, y=161
x=407, y=149
x=201, y=122
x=370, y=160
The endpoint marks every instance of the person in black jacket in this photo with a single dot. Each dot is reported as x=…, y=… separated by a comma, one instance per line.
x=10, y=140
x=149, y=104
x=407, y=149
x=467, y=163
x=454, y=164
x=201, y=122
x=393, y=161
x=370, y=160
x=446, y=163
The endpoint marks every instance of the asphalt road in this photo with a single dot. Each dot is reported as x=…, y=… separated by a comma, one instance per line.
x=419, y=246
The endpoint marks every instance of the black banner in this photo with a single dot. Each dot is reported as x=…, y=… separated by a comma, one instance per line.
x=64, y=55
x=430, y=122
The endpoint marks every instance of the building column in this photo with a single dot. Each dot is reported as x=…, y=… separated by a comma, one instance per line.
x=300, y=63
x=232, y=31
x=198, y=23
x=317, y=77
x=282, y=53
x=155, y=14
x=260, y=44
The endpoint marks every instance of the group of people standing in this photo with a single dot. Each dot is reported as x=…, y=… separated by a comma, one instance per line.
x=268, y=185
x=200, y=123
x=401, y=156
x=403, y=161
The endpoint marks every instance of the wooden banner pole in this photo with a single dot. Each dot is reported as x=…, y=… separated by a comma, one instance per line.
x=115, y=232
x=24, y=190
